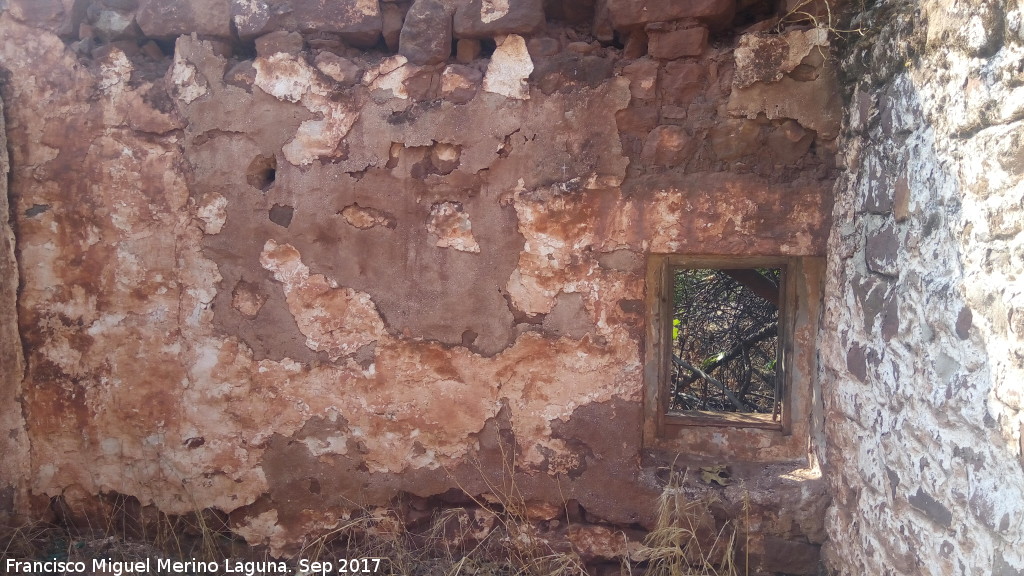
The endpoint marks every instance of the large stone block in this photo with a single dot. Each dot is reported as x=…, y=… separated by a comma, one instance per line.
x=787, y=76
x=341, y=70
x=680, y=82
x=671, y=42
x=280, y=41
x=459, y=84
x=255, y=18
x=112, y=24
x=172, y=18
x=427, y=33
x=631, y=13
x=509, y=68
x=668, y=146
x=58, y=16
x=489, y=18
x=643, y=78
x=883, y=249
x=733, y=139
x=358, y=22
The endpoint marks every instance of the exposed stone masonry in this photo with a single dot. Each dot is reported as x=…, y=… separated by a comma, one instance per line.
x=922, y=355
x=13, y=442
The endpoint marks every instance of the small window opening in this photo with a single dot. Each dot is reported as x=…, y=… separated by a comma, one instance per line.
x=724, y=342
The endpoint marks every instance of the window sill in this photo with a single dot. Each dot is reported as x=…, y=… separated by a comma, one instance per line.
x=732, y=419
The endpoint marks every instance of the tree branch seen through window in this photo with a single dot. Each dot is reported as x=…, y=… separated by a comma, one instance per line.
x=725, y=339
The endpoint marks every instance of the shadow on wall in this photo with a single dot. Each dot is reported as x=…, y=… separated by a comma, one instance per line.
x=13, y=440
x=922, y=356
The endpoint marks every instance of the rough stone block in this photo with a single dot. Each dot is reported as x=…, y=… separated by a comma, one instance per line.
x=669, y=42
x=539, y=47
x=877, y=297
x=600, y=542
x=280, y=41
x=932, y=508
x=422, y=83
x=734, y=139
x=172, y=18
x=643, y=78
x=509, y=68
x=427, y=33
x=573, y=12
x=568, y=70
x=357, y=22
x=255, y=18
x=112, y=25
x=788, y=557
x=856, y=362
x=681, y=81
x=637, y=120
x=882, y=250
x=392, y=18
x=61, y=17
x=341, y=70
x=668, y=146
x=631, y=13
x=771, y=79
x=242, y=75
x=581, y=47
x=459, y=84
x=489, y=18
x=877, y=189
x=964, y=320
x=789, y=142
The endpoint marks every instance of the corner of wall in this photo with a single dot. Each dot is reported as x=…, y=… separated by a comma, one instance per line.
x=13, y=439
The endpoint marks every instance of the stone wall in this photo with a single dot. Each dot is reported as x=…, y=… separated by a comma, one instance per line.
x=13, y=440
x=923, y=357
x=298, y=264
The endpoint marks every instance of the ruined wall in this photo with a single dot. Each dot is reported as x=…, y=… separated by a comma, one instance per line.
x=274, y=268
x=923, y=358
x=13, y=440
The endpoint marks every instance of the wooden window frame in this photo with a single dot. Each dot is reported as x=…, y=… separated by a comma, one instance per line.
x=750, y=437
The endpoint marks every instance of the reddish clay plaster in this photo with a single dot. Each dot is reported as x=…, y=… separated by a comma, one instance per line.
x=290, y=286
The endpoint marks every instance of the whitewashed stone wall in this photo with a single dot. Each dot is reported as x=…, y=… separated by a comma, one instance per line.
x=923, y=354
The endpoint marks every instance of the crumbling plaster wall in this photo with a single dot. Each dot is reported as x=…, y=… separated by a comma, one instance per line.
x=923, y=355
x=286, y=273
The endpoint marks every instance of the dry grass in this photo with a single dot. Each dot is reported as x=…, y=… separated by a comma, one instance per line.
x=492, y=536
x=514, y=537
x=685, y=541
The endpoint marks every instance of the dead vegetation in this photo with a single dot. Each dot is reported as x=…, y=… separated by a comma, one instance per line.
x=687, y=540
x=495, y=535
